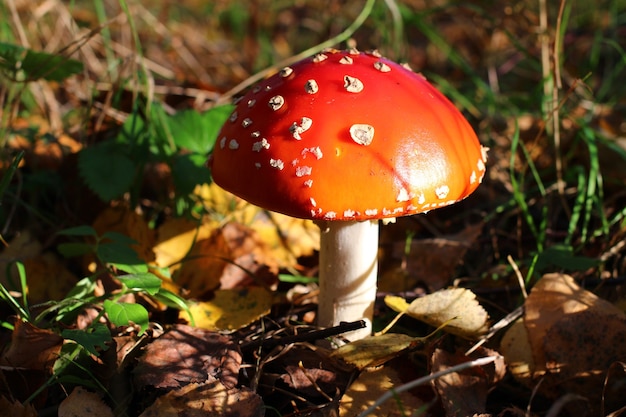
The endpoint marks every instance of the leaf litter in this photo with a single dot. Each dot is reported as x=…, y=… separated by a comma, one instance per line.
x=278, y=355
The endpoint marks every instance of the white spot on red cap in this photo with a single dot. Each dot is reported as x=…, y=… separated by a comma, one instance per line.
x=349, y=213
x=346, y=60
x=277, y=163
x=315, y=151
x=276, y=102
x=381, y=66
x=286, y=72
x=303, y=171
x=320, y=57
x=311, y=87
x=362, y=134
x=246, y=122
x=352, y=84
x=233, y=117
x=297, y=129
x=262, y=144
x=442, y=191
x=233, y=144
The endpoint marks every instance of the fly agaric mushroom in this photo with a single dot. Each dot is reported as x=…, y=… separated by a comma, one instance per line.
x=347, y=138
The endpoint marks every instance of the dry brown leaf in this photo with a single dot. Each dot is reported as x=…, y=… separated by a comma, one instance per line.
x=456, y=308
x=46, y=276
x=372, y=384
x=28, y=361
x=22, y=246
x=231, y=309
x=285, y=237
x=569, y=340
x=207, y=400
x=553, y=297
x=32, y=347
x=186, y=355
x=200, y=273
x=233, y=256
x=16, y=409
x=429, y=261
x=127, y=222
x=82, y=403
x=464, y=393
x=306, y=371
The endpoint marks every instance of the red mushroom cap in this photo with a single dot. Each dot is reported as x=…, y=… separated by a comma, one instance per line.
x=346, y=135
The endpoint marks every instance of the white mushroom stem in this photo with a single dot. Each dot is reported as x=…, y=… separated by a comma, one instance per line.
x=348, y=270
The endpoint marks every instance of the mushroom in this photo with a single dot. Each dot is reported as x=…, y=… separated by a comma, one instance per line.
x=347, y=138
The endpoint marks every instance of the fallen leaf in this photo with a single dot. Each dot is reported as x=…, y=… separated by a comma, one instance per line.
x=569, y=340
x=518, y=352
x=286, y=238
x=233, y=256
x=48, y=278
x=17, y=409
x=186, y=355
x=82, y=403
x=231, y=309
x=210, y=399
x=373, y=383
x=374, y=350
x=464, y=393
x=456, y=308
x=305, y=371
x=200, y=273
x=552, y=298
x=429, y=261
x=39, y=267
x=175, y=238
x=32, y=347
x=27, y=363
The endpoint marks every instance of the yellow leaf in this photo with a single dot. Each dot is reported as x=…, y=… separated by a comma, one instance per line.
x=287, y=238
x=397, y=304
x=231, y=309
x=373, y=350
x=373, y=383
x=175, y=237
x=456, y=308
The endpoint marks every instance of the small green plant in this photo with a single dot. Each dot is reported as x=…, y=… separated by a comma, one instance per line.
x=181, y=140
x=115, y=255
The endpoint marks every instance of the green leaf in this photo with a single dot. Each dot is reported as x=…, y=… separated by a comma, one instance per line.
x=119, y=238
x=34, y=65
x=147, y=282
x=71, y=249
x=173, y=300
x=197, y=132
x=91, y=338
x=106, y=170
x=122, y=257
x=123, y=314
x=188, y=171
x=563, y=257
